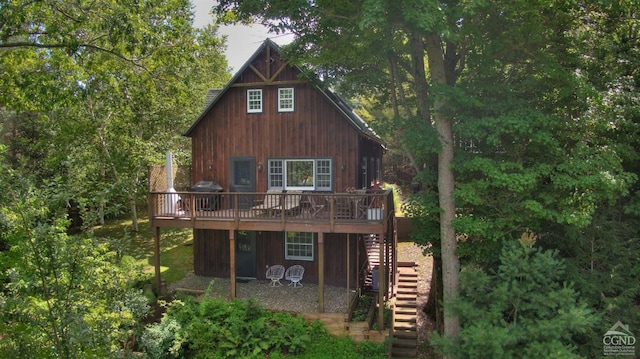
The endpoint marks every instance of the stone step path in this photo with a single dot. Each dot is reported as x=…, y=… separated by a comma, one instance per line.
x=405, y=313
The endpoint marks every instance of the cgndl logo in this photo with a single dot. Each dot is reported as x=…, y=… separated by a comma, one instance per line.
x=619, y=340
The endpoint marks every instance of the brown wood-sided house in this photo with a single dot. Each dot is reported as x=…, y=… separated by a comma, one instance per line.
x=290, y=169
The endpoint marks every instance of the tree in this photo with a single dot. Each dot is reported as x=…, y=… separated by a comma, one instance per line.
x=108, y=86
x=495, y=83
x=525, y=310
x=60, y=295
x=330, y=34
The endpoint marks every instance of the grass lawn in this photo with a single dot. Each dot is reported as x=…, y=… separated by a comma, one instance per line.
x=176, y=246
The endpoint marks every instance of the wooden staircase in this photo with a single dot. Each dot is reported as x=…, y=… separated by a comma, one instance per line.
x=405, y=311
x=372, y=246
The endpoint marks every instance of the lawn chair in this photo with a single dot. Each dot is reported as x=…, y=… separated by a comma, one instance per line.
x=294, y=274
x=275, y=273
x=271, y=201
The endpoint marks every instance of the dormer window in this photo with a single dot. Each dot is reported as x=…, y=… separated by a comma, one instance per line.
x=285, y=99
x=254, y=101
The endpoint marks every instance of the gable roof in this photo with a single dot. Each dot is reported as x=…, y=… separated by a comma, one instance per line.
x=356, y=121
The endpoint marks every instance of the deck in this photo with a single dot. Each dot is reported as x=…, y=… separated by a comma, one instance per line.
x=365, y=212
x=358, y=212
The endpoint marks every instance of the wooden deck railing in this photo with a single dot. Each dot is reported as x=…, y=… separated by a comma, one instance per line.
x=355, y=207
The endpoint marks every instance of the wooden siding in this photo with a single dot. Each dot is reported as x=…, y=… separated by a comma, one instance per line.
x=211, y=256
x=316, y=129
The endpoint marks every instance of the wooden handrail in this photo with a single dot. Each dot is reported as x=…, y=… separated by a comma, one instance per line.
x=237, y=206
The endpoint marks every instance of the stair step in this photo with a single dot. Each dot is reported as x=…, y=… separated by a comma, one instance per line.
x=403, y=297
x=407, y=311
x=405, y=318
x=407, y=304
x=405, y=334
x=407, y=290
x=407, y=280
x=408, y=273
x=406, y=296
x=407, y=287
x=412, y=289
x=404, y=352
x=405, y=343
x=405, y=326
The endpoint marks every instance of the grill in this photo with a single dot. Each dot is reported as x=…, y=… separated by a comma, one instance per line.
x=209, y=201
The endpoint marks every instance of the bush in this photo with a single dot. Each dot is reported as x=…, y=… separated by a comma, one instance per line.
x=325, y=346
x=224, y=329
x=522, y=311
x=215, y=328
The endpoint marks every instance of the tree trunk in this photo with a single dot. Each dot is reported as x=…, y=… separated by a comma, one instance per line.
x=134, y=213
x=395, y=83
x=446, y=184
x=433, y=307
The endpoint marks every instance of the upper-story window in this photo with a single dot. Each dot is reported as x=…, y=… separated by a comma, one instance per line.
x=254, y=101
x=285, y=99
x=300, y=174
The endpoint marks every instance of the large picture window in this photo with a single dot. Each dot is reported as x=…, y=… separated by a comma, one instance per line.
x=300, y=174
x=254, y=101
x=285, y=99
x=298, y=246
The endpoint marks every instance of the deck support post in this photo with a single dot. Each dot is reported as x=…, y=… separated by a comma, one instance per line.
x=321, y=272
x=383, y=280
x=348, y=271
x=156, y=253
x=232, y=257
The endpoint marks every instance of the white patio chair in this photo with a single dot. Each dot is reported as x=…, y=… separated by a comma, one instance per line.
x=294, y=274
x=275, y=273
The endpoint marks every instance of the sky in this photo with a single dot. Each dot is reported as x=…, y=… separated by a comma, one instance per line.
x=242, y=41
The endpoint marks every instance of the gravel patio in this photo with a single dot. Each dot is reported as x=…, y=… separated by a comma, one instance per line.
x=304, y=299
x=300, y=300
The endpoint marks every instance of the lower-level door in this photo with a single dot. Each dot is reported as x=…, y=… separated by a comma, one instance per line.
x=245, y=254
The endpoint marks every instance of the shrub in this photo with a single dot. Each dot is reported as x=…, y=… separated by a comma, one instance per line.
x=224, y=329
x=522, y=311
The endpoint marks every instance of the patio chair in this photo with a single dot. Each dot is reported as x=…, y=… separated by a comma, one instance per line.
x=275, y=273
x=291, y=203
x=271, y=200
x=317, y=206
x=294, y=274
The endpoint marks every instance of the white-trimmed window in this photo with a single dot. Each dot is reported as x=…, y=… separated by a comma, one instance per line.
x=304, y=174
x=285, y=99
x=254, y=100
x=298, y=246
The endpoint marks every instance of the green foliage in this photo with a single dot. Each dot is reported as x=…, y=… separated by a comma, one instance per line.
x=95, y=92
x=224, y=329
x=162, y=340
x=215, y=328
x=603, y=260
x=362, y=308
x=61, y=296
x=325, y=346
x=524, y=310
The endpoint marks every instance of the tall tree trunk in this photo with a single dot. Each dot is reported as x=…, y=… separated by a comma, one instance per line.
x=433, y=307
x=448, y=243
x=395, y=83
x=446, y=267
